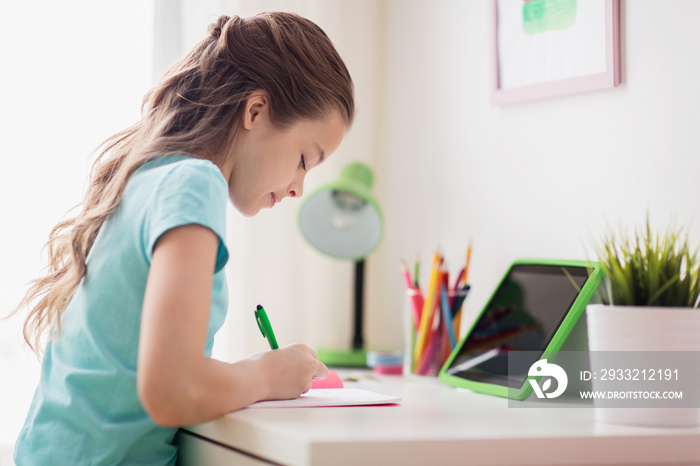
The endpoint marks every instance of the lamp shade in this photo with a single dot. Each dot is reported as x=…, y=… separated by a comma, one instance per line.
x=342, y=218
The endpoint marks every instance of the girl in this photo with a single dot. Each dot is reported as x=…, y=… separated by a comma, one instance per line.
x=135, y=289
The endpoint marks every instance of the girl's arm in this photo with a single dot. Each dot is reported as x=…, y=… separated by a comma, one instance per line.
x=177, y=384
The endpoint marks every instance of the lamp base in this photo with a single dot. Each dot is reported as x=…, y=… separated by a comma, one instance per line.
x=342, y=358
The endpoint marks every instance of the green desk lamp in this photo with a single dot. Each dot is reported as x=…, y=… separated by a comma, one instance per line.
x=342, y=219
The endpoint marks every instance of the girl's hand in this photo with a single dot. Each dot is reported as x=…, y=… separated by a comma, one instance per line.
x=289, y=371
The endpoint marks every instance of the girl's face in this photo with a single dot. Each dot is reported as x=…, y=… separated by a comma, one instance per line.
x=267, y=164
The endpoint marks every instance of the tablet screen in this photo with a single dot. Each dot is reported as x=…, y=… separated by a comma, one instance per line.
x=523, y=315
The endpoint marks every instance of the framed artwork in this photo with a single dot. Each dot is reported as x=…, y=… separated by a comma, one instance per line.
x=549, y=48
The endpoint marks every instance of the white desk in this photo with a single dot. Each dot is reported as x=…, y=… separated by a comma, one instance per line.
x=434, y=425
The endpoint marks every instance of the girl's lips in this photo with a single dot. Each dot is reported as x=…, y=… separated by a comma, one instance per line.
x=273, y=200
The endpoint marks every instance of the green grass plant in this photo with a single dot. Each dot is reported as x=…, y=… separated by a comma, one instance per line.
x=648, y=269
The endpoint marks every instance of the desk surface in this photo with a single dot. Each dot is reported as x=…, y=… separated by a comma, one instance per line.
x=437, y=424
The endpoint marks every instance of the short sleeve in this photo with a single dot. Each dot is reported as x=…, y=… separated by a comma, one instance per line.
x=192, y=192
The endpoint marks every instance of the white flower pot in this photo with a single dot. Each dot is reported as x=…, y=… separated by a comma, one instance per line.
x=648, y=329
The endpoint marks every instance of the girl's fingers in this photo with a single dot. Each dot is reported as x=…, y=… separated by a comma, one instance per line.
x=321, y=371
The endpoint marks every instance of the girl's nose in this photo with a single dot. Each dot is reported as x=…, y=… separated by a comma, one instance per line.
x=296, y=189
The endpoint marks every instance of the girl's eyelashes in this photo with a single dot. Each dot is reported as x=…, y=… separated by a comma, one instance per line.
x=302, y=163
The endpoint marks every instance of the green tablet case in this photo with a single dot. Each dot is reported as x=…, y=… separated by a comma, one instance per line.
x=552, y=347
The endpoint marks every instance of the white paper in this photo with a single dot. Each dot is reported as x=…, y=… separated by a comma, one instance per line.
x=330, y=397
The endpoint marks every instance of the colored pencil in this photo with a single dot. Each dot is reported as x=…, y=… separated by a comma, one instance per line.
x=428, y=309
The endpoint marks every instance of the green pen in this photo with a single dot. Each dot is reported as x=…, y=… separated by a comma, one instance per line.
x=265, y=327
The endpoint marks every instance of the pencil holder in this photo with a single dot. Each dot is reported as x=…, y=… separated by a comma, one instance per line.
x=428, y=343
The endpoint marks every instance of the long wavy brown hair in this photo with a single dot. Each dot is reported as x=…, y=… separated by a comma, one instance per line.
x=195, y=109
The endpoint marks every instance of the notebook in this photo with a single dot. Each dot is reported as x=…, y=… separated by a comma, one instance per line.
x=318, y=397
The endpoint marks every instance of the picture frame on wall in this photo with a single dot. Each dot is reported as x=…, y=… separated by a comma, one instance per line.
x=550, y=48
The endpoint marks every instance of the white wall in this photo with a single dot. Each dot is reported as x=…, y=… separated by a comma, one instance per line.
x=542, y=179
x=73, y=73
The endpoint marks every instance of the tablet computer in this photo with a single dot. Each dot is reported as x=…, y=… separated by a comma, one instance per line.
x=533, y=309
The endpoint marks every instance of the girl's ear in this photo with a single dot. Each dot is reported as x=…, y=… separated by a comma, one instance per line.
x=256, y=105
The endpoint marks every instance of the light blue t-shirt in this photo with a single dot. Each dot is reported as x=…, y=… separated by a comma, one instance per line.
x=86, y=409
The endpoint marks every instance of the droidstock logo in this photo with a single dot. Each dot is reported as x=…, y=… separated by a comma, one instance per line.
x=547, y=371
